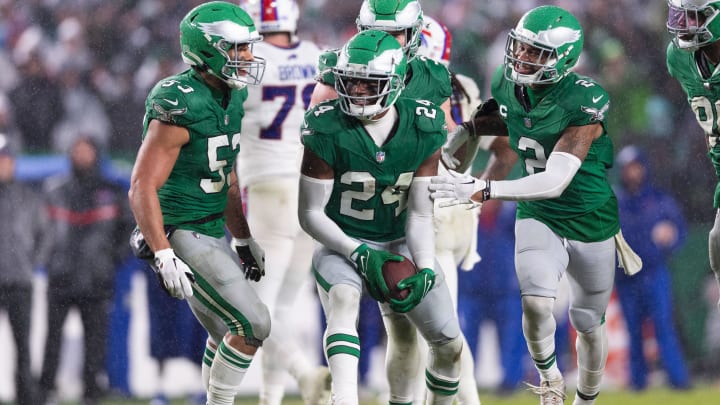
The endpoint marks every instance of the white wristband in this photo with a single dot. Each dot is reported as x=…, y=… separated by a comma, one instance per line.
x=164, y=253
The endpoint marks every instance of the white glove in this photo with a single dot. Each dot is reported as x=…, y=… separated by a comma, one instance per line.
x=252, y=257
x=458, y=190
x=174, y=274
x=455, y=140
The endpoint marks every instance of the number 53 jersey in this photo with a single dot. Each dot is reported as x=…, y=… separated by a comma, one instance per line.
x=370, y=190
x=270, y=143
x=198, y=183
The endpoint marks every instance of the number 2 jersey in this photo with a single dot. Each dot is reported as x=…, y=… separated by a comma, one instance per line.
x=370, y=191
x=701, y=83
x=587, y=210
x=274, y=110
x=197, y=186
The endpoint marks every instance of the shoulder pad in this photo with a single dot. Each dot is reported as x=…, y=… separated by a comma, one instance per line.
x=438, y=72
x=323, y=117
x=168, y=100
x=590, y=96
x=429, y=117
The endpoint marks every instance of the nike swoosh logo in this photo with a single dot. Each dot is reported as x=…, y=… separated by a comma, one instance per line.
x=596, y=99
x=172, y=102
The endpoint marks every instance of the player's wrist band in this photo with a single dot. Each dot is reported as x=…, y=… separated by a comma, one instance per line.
x=486, y=191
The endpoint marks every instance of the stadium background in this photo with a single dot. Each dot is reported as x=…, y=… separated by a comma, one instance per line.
x=121, y=47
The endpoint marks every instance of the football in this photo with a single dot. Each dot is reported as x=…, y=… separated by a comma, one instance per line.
x=393, y=272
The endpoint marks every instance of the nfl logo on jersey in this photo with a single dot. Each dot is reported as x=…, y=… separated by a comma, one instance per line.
x=528, y=122
x=380, y=156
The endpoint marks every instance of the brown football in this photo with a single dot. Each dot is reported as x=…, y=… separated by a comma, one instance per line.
x=393, y=272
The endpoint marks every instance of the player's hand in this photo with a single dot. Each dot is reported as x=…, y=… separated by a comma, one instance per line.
x=252, y=257
x=456, y=138
x=369, y=263
x=457, y=190
x=174, y=274
x=488, y=107
x=419, y=284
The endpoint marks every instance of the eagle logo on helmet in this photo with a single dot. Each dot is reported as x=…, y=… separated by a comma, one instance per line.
x=228, y=30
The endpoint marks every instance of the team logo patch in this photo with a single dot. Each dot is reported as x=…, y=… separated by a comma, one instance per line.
x=380, y=156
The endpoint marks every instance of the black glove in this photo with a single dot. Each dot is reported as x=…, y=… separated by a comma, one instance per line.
x=252, y=257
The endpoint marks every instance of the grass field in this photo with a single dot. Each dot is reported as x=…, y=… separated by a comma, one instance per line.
x=702, y=395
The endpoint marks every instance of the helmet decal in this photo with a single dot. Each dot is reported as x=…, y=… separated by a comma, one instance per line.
x=230, y=31
x=435, y=41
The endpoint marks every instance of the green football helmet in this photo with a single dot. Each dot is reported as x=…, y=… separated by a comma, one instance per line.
x=207, y=34
x=693, y=23
x=393, y=16
x=553, y=36
x=370, y=74
x=326, y=62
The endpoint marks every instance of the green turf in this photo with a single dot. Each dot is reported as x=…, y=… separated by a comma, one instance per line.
x=702, y=395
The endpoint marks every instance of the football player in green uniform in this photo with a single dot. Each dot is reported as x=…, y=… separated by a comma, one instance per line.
x=567, y=220
x=368, y=159
x=426, y=79
x=184, y=192
x=692, y=59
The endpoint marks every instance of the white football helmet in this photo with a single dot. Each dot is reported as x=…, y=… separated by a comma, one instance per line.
x=273, y=15
x=435, y=41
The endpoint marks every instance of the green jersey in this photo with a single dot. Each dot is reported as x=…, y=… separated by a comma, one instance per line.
x=198, y=184
x=701, y=83
x=426, y=79
x=587, y=210
x=370, y=190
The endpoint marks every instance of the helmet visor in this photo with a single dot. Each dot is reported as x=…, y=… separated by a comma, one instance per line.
x=239, y=71
x=364, y=95
x=529, y=62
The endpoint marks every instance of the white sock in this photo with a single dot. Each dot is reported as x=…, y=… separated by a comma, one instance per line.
x=592, y=354
x=442, y=376
x=342, y=349
x=539, y=327
x=207, y=361
x=226, y=374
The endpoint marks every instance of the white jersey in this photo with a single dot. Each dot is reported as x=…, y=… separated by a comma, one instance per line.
x=270, y=142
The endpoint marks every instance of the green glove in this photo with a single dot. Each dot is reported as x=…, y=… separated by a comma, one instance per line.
x=369, y=263
x=419, y=284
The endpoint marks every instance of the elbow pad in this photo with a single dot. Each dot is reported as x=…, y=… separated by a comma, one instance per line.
x=559, y=172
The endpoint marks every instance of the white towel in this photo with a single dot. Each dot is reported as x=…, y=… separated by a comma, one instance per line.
x=629, y=260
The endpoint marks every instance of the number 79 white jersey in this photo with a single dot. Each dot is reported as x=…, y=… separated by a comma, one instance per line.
x=270, y=142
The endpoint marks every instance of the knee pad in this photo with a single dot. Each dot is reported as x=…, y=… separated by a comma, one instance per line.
x=260, y=328
x=447, y=353
x=344, y=306
x=537, y=308
x=585, y=320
